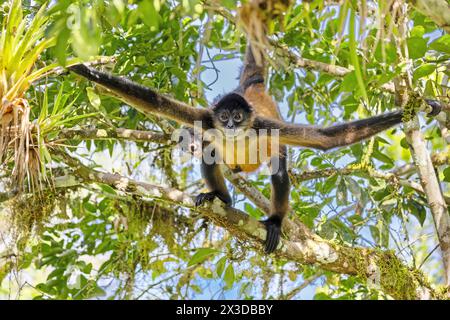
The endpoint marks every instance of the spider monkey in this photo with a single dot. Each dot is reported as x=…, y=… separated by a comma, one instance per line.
x=247, y=107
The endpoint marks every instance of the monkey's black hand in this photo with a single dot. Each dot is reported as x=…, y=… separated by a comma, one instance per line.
x=207, y=197
x=437, y=107
x=236, y=169
x=273, y=227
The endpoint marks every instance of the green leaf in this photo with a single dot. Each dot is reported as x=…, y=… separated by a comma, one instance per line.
x=417, y=47
x=404, y=143
x=330, y=183
x=229, y=4
x=418, y=31
x=441, y=44
x=417, y=210
x=87, y=268
x=61, y=46
x=317, y=161
x=424, y=70
x=201, y=255
x=252, y=211
x=322, y=296
x=222, y=56
x=90, y=207
x=354, y=58
x=107, y=188
x=229, y=276
x=93, y=97
x=447, y=174
x=430, y=90
x=385, y=52
x=354, y=187
x=294, y=21
x=375, y=233
x=380, y=233
x=382, y=157
x=95, y=292
x=220, y=266
x=148, y=14
x=86, y=33
x=341, y=193
x=349, y=82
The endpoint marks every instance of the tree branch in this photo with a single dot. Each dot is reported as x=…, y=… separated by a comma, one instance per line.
x=383, y=268
x=438, y=159
x=427, y=173
x=432, y=190
x=244, y=186
x=331, y=69
x=116, y=133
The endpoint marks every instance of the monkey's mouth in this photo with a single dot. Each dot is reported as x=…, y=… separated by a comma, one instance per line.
x=233, y=133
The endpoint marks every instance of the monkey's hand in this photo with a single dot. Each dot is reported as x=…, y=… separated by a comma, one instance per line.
x=273, y=227
x=436, y=107
x=208, y=197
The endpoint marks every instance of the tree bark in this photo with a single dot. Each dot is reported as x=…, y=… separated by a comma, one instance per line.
x=432, y=190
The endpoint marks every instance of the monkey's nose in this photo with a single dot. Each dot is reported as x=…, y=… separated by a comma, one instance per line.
x=193, y=147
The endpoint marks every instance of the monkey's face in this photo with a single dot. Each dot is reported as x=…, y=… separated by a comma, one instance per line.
x=233, y=115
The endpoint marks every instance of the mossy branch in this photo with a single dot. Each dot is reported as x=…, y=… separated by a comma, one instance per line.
x=92, y=133
x=382, y=269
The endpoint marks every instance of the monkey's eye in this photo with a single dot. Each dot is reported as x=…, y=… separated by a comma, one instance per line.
x=223, y=117
x=238, y=117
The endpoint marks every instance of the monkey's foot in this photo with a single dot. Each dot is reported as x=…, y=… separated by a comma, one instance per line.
x=207, y=197
x=273, y=227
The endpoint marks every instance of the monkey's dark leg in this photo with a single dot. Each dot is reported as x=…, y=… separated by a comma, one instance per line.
x=279, y=200
x=213, y=177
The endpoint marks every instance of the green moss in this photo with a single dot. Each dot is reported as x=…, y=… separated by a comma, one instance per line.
x=411, y=108
x=389, y=273
x=408, y=113
x=395, y=278
x=443, y=293
x=29, y=212
x=144, y=227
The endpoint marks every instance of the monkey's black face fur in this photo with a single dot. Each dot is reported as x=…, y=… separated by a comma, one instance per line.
x=233, y=115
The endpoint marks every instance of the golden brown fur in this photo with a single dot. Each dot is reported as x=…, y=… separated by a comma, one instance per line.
x=263, y=105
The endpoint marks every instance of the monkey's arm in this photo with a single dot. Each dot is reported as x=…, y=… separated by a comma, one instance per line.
x=144, y=99
x=213, y=177
x=334, y=136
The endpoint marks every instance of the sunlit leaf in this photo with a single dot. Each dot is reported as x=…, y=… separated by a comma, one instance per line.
x=201, y=255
